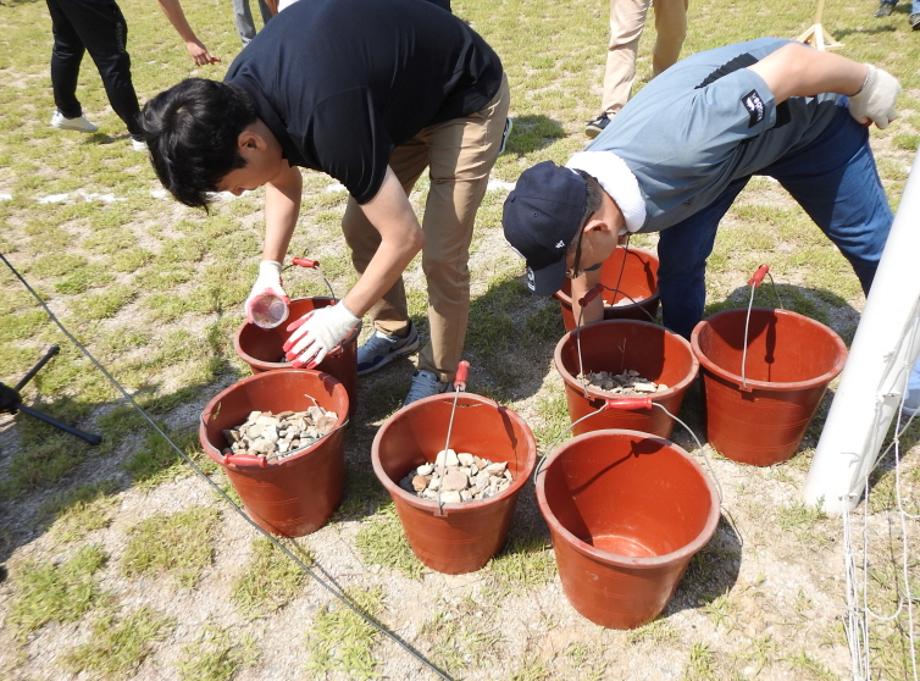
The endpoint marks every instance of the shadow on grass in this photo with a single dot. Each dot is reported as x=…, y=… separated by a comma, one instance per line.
x=532, y=133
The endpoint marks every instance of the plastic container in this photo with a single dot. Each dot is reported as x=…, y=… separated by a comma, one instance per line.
x=639, y=282
x=461, y=537
x=760, y=419
x=615, y=345
x=626, y=512
x=296, y=495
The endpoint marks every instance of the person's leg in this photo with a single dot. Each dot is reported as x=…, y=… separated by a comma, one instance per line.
x=389, y=314
x=463, y=152
x=835, y=180
x=671, y=29
x=103, y=30
x=242, y=17
x=682, y=253
x=66, y=55
x=627, y=19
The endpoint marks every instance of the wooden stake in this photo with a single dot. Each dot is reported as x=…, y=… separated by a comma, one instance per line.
x=816, y=36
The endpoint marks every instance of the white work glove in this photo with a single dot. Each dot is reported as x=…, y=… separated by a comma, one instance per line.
x=267, y=285
x=875, y=102
x=317, y=333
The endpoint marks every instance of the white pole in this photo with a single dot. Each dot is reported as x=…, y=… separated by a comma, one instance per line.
x=874, y=378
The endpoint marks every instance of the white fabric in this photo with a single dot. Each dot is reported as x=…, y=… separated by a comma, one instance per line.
x=876, y=100
x=318, y=333
x=267, y=283
x=617, y=180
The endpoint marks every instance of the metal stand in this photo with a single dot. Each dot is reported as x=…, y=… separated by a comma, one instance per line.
x=11, y=402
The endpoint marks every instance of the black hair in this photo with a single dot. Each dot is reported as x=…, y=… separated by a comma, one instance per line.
x=593, y=193
x=192, y=130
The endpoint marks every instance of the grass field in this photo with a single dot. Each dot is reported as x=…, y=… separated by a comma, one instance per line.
x=120, y=563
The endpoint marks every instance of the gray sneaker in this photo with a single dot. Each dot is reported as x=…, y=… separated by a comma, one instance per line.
x=382, y=348
x=424, y=384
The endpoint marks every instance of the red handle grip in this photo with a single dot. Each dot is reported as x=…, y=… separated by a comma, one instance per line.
x=757, y=278
x=305, y=262
x=629, y=403
x=463, y=372
x=246, y=460
x=592, y=293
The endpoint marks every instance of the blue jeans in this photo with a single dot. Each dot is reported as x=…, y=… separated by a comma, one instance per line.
x=914, y=5
x=834, y=179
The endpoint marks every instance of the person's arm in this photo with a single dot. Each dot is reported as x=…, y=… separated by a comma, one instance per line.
x=795, y=70
x=196, y=49
x=282, y=204
x=594, y=310
x=272, y=6
x=401, y=238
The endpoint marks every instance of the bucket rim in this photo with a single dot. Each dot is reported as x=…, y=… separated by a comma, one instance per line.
x=685, y=552
x=596, y=394
x=215, y=454
x=566, y=298
x=772, y=386
x=269, y=366
x=517, y=482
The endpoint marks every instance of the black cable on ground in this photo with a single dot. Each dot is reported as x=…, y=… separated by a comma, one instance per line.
x=331, y=587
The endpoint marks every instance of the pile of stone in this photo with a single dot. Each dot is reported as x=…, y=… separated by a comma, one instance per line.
x=277, y=436
x=455, y=478
x=628, y=382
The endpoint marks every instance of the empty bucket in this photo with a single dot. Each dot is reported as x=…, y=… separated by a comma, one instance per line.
x=790, y=361
x=639, y=282
x=617, y=345
x=459, y=537
x=626, y=512
x=296, y=495
x=262, y=349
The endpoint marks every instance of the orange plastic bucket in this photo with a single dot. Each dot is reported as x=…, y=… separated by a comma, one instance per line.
x=615, y=345
x=791, y=359
x=639, y=282
x=626, y=512
x=461, y=537
x=296, y=495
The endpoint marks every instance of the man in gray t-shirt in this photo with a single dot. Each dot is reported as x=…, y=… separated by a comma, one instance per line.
x=674, y=159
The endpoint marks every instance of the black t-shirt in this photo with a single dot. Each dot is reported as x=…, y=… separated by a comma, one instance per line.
x=342, y=82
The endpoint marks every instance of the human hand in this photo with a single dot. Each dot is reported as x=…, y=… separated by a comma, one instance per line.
x=317, y=333
x=199, y=53
x=267, y=286
x=875, y=102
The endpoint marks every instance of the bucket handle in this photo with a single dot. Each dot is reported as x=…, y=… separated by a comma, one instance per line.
x=245, y=461
x=754, y=282
x=311, y=264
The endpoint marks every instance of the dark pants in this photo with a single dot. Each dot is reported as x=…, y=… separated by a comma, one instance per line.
x=99, y=27
x=834, y=179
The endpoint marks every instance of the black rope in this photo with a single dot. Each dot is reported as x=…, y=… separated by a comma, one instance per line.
x=332, y=587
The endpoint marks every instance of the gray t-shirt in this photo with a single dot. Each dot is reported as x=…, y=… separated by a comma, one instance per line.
x=704, y=123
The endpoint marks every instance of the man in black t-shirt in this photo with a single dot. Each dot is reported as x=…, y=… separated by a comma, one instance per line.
x=370, y=93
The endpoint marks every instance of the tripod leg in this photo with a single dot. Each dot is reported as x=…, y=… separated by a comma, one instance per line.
x=52, y=351
x=50, y=420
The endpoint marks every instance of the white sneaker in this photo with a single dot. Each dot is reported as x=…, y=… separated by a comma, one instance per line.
x=58, y=120
x=138, y=145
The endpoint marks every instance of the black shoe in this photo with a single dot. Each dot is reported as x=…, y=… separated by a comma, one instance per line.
x=915, y=21
x=596, y=126
x=885, y=9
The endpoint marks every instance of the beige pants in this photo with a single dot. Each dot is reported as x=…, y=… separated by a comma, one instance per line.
x=627, y=19
x=459, y=154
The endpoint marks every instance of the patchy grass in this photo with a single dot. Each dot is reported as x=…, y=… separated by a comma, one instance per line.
x=340, y=640
x=460, y=636
x=118, y=646
x=51, y=592
x=217, y=655
x=268, y=582
x=81, y=510
x=156, y=462
x=524, y=564
x=382, y=541
x=179, y=544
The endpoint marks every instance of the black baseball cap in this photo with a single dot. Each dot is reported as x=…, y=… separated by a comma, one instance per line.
x=542, y=216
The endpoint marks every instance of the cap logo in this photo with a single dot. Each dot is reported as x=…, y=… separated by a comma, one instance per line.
x=560, y=244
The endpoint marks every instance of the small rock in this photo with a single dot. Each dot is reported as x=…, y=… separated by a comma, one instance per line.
x=450, y=498
x=454, y=481
x=420, y=482
x=466, y=459
x=497, y=468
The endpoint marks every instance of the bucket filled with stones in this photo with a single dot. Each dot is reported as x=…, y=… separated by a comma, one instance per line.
x=455, y=502
x=279, y=437
x=261, y=348
x=615, y=373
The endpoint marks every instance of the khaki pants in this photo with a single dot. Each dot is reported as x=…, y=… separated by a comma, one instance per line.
x=627, y=19
x=459, y=154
